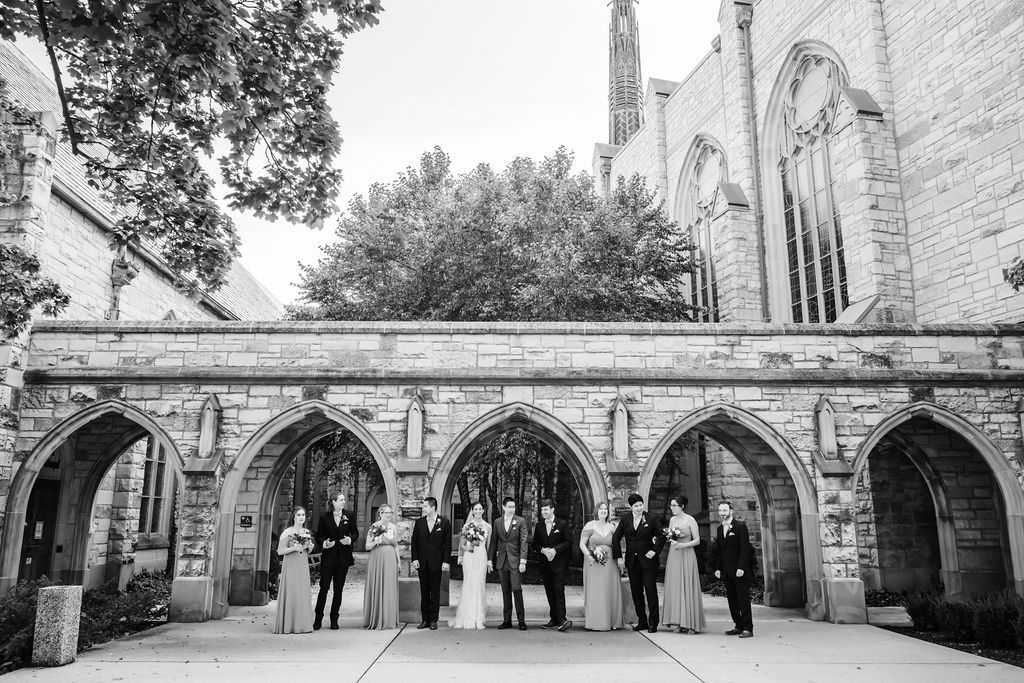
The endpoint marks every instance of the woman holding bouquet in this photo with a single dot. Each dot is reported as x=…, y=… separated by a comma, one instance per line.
x=683, y=606
x=380, y=595
x=294, y=599
x=602, y=588
x=472, y=608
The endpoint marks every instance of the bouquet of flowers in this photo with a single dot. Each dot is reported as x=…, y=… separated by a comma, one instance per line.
x=600, y=555
x=377, y=529
x=474, y=533
x=675, y=534
x=302, y=538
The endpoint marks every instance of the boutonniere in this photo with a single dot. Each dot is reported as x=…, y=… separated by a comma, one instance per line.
x=344, y=518
x=512, y=525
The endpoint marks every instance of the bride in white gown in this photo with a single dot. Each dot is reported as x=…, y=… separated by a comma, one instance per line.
x=472, y=609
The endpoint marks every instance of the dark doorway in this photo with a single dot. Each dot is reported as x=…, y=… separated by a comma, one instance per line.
x=40, y=525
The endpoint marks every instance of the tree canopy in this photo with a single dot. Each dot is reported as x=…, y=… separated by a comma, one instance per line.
x=534, y=242
x=150, y=88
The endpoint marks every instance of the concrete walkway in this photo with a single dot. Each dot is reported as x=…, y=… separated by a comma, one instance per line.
x=786, y=647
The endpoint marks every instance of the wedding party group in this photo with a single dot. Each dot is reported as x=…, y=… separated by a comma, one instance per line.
x=633, y=546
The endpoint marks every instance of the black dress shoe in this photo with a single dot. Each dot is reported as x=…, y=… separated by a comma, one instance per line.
x=550, y=624
x=502, y=627
x=318, y=623
x=733, y=632
x=566, y=625
x=522, y=626
x=424, y=624
x=433, y=626
x=653, y=629
x=334, y=625
x=747, y=634
x=640, y=627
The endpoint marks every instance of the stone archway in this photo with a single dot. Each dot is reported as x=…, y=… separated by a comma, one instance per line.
x=791, y=551
x=302, y=424
x=1003, y=476
x=538, y=423
x=107, y=428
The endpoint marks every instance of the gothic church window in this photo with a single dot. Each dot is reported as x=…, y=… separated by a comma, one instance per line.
x=702, y=196
x=814, y=243
x=151, y=513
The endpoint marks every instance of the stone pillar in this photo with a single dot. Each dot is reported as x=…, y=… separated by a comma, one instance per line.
x=27, y=180
x=193, y=591
x=123, y=533
x=735, y=250
x=55, y=641
x=842, y=589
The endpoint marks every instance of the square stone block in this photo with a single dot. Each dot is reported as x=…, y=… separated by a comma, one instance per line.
x=844, y=601
x=409, y=597
x=191, y=599
x=56, y=635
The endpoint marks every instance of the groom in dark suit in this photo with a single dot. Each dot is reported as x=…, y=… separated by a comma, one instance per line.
x=644, y=541
x=554, y=539
x=730, y=559
x=507, y=554
x=335, y=536
x=431, y=555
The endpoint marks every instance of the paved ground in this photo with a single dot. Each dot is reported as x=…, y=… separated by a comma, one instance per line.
x=786, y=647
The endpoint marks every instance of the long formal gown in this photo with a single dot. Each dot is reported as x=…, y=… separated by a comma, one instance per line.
x=472, y=609
x=294, y=593
x=683, y=604
x=602, y=588
x=380, y=595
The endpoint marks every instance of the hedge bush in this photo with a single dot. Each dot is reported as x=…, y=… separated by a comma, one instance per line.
x=995, y=620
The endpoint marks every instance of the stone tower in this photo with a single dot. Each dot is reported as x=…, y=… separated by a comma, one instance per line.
x=625, y=97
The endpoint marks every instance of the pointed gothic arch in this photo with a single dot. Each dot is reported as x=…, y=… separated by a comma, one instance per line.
x=1005, y=477
x=319, y=419
x=135, y=424
x=791, y=549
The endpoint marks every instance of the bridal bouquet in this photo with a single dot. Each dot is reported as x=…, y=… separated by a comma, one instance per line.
x=474, y=533
x=302, y=537
x=600, y=555
x=377, y=529
x=674, y=534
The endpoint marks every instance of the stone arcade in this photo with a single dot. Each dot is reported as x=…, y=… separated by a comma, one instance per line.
x=755, y=388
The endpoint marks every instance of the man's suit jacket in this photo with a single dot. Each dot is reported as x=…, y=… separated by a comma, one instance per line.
x=326, y=529
x=432, y=547
x=508, y=546
x=648, y=536
x=733, y=551
x=560, y=539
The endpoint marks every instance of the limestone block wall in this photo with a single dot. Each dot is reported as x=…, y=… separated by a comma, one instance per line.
x=958, y=111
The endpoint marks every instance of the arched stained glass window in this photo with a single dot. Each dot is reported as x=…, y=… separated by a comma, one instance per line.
x=814, y=241
x=702, y=195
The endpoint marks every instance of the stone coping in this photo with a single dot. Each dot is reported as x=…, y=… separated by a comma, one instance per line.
x=702, y=376
x=569, y=328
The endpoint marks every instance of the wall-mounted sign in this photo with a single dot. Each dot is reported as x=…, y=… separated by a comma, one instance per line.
x=38, y=534
x=411, y=512
x=245, y=521
x=623, y=510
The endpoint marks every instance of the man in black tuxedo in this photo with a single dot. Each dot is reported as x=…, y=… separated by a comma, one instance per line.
x=554, y=538
x=431, y=553
x=506, y=552
x=335, y=536
x=644, y=541
x=730, y=559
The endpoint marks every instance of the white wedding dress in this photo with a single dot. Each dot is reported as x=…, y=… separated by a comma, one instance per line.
x=472, y=609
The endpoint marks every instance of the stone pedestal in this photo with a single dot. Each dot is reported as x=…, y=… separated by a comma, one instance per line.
x=409, y=597
x=844, y=601
x=191, y=599
x=56, y=636
x=628, y=611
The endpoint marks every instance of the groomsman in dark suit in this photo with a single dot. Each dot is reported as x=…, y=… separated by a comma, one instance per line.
x=431, y=554
x=335, y=536
x=644, y=541
x=507, y=554
x=554, y=538
x=730, y=559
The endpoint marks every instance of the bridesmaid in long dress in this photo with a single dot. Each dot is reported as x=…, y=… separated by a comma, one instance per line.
x=602, y=588
x=380, y=595
x=683, y=606
x=294, y=595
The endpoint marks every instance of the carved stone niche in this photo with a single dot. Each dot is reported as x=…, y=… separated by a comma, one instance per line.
x=207, y=457
x=827, y=457
x=412, y=461
x=621, y=461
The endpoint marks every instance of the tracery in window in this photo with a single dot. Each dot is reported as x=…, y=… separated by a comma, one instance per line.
x=702, y=196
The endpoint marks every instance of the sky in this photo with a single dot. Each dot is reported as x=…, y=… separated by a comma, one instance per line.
x=487, y=81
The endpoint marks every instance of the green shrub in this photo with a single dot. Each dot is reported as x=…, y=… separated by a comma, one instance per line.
x=922, y=608
x=995, y=620
x=1018, y=627
x=881, y=597
x=957, y=619
x=18, y=623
